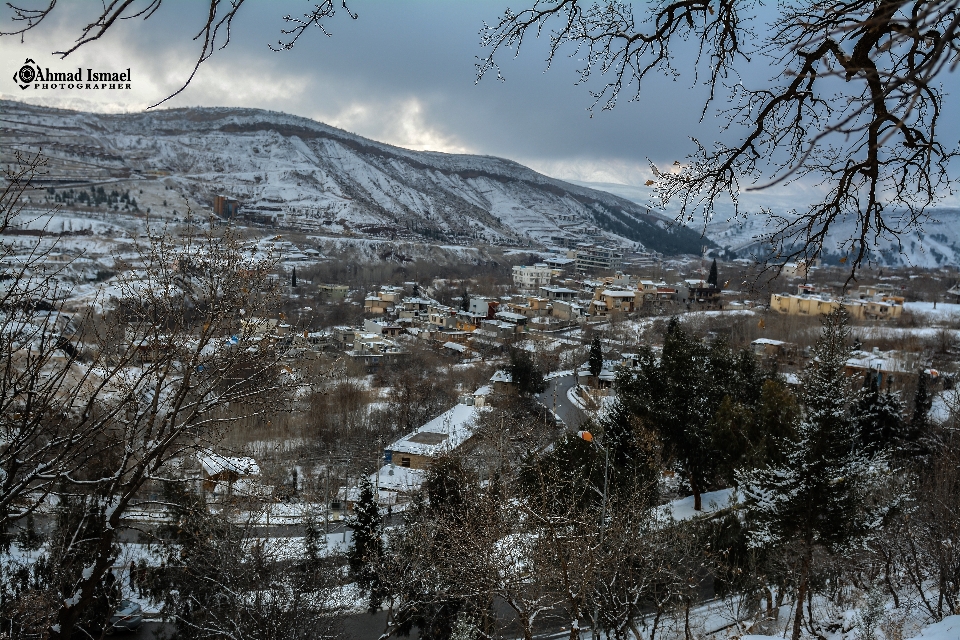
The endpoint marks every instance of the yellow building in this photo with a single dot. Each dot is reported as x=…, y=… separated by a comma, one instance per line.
x=822, y=304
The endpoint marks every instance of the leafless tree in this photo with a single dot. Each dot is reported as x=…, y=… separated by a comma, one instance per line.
x=98, y=409
x=853, y=103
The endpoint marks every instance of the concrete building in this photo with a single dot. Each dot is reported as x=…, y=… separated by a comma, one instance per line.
x=607, y=301
x=591, y=257
x=532, y=277
x=334, y=291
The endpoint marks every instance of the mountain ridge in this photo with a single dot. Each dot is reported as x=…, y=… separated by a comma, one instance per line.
x=313, y=175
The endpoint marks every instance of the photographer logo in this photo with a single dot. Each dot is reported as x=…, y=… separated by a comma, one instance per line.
x=33, y=76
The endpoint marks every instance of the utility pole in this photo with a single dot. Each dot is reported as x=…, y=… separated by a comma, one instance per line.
x=326, y=505
x=586, y=435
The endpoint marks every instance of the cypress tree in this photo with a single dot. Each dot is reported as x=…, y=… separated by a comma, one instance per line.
x=713, y=278
x=366, y=546
x=293, y=280
x=596, y=357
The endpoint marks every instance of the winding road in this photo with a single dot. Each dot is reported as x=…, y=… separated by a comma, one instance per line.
x=555, y=398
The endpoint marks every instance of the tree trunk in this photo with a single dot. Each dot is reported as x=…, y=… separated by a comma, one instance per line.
x=697, y=499
x=801, y=595
x=893, y=592
x=656, y=622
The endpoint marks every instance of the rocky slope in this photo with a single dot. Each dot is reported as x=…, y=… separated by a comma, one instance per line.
x=302, y=174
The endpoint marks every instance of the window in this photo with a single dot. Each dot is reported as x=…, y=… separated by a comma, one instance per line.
x=404, y=462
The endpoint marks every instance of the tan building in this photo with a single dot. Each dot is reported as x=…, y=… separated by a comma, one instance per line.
x=824, y=304
x=607, y=301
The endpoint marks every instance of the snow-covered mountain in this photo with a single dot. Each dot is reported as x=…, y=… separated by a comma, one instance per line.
x=937, y=245
x=298, y=173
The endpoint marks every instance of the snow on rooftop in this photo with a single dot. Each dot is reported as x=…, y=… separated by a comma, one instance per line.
x=214, y=463
x=393, y=478
x=446, y=432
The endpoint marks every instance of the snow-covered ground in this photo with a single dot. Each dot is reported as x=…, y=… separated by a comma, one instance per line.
x=934, y=312
x=682, y=509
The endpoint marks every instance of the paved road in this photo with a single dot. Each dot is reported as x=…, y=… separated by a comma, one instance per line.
x=555, y=398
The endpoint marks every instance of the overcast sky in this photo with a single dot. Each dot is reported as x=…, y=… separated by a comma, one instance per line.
x=402, y=73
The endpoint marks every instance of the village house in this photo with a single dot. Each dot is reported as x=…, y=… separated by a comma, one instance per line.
x=387, y=329
x=774, y=350
x=373, y=348
x=891, y=368
x=697, y=291
x=230, y=476
x=442, y=317
x=443, y=434
x=559, y=293
x=606, y=301
x=570, y=311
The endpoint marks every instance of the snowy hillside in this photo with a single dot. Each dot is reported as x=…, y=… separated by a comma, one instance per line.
x=301, y=174
x=938, y=245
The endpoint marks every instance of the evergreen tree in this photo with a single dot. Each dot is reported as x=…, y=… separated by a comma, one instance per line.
x=634, y=455
x=878, y=417
x=713, y=278
x=679, y=397
x=314, y=540
x=819, y=496
x=922, y=402
x=596, y=357
x=525, y=374
x=465, y=301
x=28, y=538
x=366, y=547
x=293, y=280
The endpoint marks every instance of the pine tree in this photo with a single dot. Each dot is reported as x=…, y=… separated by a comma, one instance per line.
x=525, y=374
x=713, y=278
x=634, y=455
x=366, y=547
x=819, y=496
x=677, y=398
x=314, y=540
x=596, y=357
x=293, y=280
x=878, y=416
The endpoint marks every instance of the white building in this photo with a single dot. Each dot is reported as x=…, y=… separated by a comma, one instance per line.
x=532, y=277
